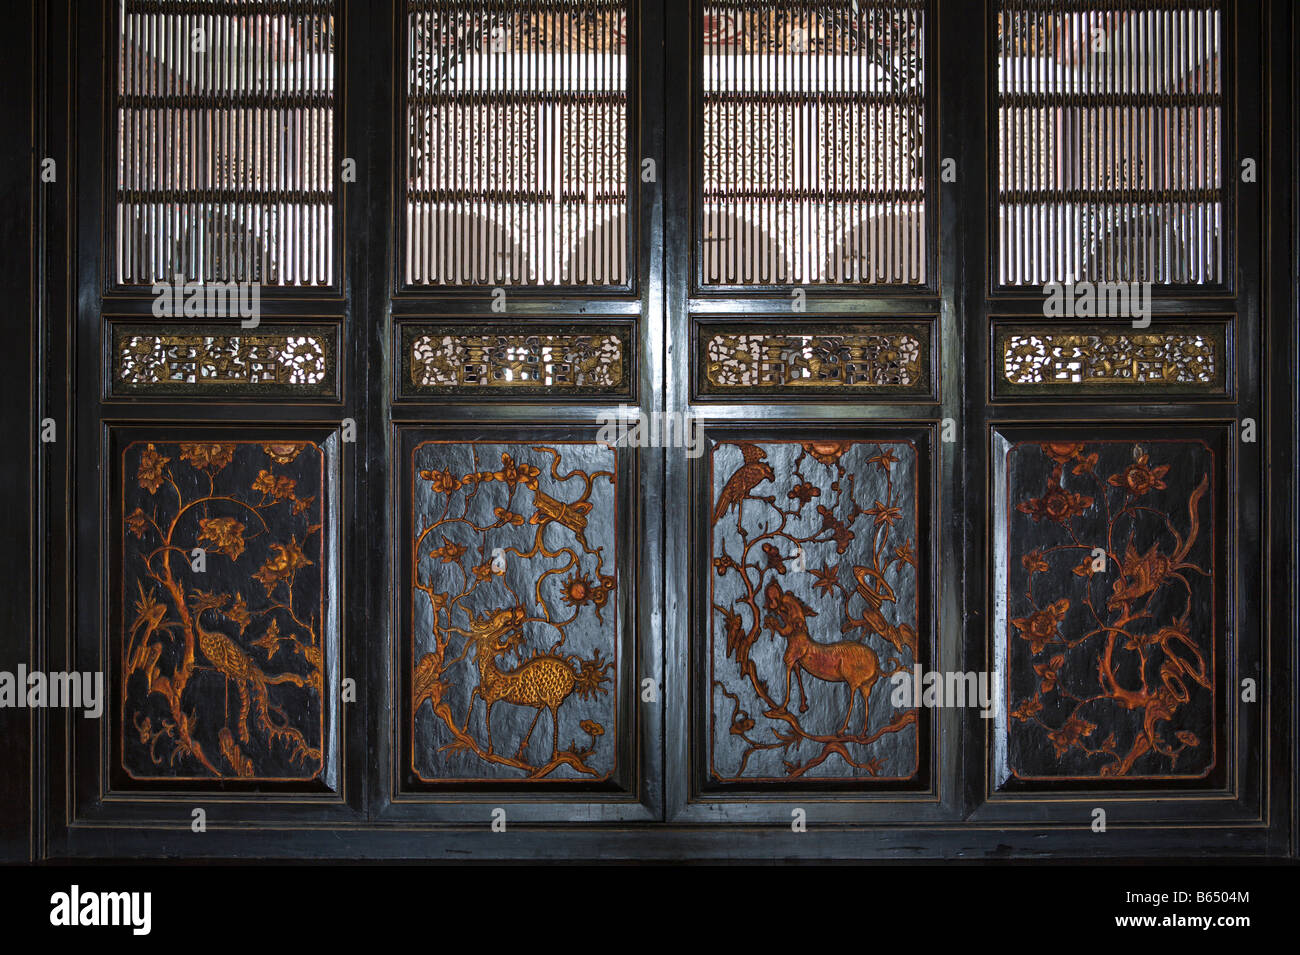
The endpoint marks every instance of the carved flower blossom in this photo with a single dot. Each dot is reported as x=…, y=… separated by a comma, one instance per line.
x=288, y=561
x=1040, y=627
x=512, y=473
x=1057, y=504
x=449, y=552
x=1139, y=477
x=1048, y=671
x=804, y=492
x=226, y=534
x=775, y=559
x=150, y=473
x=1087, y=568
x=883, y=514
x=1085, y=464
x=885, y=460
x=238, y=613
x=1071, y=734
x=1027, y=708
x=1033, y=561
x=276, y=486
x=839, y=530
x=441, y=482
x=828, y=578
x=135, y=522
x=204, y=456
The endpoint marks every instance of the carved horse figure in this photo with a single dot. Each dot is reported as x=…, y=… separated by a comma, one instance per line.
x=842, y=662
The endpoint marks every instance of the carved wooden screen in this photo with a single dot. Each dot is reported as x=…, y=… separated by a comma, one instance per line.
x=590, y=428
x=519, y=311
x=214, y=346
x=1122, y=392
x=811, y=528
x=812, y=145
x=225, y=144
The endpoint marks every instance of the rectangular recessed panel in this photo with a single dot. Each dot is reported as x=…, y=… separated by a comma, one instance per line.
x=813, y=159
x=838, y=361
x=1162, y=360
x=198, y=361
x=1109, y=146
x=814, y=601
x=514, y=653
x=1110, y=607
x=554, y=361
x=223, y=603
x=516, y=143
x=225, y=143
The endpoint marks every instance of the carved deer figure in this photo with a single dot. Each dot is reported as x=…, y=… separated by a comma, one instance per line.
x=544, y=681
x=842, y=662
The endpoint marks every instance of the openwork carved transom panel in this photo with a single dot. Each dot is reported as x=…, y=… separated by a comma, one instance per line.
x=887, y=359
x=485, y=362
x=195, y=361
x=515, y=611
x=1170, y=360
x=813, y=603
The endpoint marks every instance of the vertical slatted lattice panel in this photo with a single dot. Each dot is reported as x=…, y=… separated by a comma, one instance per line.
x=813, y=143
x=1109, y=132
x=225, y=113
x=516, y=143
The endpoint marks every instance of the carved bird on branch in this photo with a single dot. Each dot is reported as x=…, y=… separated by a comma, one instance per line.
x=748, y=476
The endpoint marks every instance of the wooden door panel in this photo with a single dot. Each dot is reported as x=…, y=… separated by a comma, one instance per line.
x=520, y=599
x=812, y=540
x=223, y=632
x=1111, y=612
x=515, y=576
x=220, y=578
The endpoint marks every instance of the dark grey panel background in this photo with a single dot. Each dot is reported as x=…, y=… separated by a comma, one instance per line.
x=854, y=479
x=582, y=628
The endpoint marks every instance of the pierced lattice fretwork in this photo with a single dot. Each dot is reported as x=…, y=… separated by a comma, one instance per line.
x=190, y=361
x=863, y=359
x=1187, y=359
x=466, y=361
